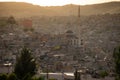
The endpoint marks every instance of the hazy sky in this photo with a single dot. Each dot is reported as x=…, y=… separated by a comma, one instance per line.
x=61, y=2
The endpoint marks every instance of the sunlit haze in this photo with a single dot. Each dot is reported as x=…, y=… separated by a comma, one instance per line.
x=60, y=2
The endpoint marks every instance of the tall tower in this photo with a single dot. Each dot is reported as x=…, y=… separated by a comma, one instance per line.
x=79, y=11
x=78, y=32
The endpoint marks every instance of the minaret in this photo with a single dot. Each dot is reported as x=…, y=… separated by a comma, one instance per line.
x=79, y=24
x=79, y=11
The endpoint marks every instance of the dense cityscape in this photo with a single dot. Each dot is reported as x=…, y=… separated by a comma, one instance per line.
x=62, y=45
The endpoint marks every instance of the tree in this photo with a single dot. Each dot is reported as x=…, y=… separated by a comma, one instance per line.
x=11, y=20
x=77, y=75
x=12, y=77
x=103, y=74
x=3, y=77
x=25, y=64
x=116, y=56
x=27, y=77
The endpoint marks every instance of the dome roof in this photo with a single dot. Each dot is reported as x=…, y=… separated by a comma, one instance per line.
x=69, y=31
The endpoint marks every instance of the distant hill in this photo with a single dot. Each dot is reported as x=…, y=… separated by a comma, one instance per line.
x=20, y=9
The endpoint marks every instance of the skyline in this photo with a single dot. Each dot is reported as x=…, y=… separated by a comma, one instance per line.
x=60, y=2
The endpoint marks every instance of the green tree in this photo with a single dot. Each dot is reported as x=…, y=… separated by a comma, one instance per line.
x=103, y=74
x=116, y=56
x=11, y=20
x=25, y=65
x=77, y=75
x=27, y=77
x=3, y=77
x=12, y=77
x=38, y=78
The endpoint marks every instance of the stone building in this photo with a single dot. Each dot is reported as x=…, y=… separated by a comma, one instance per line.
x=68, y=39
x=71, y=39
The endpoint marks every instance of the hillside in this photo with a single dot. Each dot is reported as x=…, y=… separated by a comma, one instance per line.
x=100, y=35
x=20, y=9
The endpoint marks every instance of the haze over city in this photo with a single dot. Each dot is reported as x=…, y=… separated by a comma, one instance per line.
x=60, y=2
x=59, y=39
